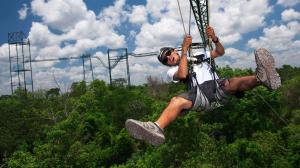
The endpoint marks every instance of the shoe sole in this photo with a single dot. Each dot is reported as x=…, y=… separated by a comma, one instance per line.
x=266, y=60
x=139, y=132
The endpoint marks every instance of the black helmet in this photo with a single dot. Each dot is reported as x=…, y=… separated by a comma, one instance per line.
x=163, y=53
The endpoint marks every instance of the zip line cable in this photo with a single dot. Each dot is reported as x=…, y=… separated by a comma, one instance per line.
x=272, y=109
x=190, y=20
x=179, y=8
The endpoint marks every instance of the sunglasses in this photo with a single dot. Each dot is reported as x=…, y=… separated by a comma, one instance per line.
x=165, y=54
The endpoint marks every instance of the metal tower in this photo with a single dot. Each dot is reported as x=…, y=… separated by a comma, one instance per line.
x=201, y=13
x=20, y=62
x=85, y=59
x=90, y=68
x=114, y=57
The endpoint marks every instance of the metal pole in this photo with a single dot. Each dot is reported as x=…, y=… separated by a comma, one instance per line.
x=91, y=68
x=11, y=82
x=109, y=68
x=24, y=70
x=18, y=69
x=128, y=73
x=30, y=66
x=83, y=67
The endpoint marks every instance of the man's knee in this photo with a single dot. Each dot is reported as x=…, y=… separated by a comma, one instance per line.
x=227, y=86
x=184, y=103
x=232, y=89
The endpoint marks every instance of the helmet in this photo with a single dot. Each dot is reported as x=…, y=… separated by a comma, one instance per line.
x=163, y=53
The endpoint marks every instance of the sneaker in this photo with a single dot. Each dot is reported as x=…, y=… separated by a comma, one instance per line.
x=147, y=131
x=265, y=71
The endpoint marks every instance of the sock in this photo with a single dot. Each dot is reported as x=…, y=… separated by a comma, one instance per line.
x=158, y=126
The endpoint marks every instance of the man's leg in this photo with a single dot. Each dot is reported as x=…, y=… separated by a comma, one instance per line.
x=153, y=132
x=244, y=83
x=176, y=105
x=265, y=74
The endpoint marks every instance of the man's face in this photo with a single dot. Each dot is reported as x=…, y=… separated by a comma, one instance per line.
x=173, y=58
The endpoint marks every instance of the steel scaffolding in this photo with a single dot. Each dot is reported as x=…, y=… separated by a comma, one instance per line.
x=85, y=59
x=20, y=62
x=201, y=14
x=114, y=57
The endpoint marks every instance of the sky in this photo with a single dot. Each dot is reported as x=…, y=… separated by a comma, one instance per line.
x=70, y=28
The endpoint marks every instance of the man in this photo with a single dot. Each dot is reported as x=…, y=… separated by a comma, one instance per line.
x=206, y=88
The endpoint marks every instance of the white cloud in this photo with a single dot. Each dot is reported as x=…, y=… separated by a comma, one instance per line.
x=233, y=18
x=68, y=28
x=114, y=15
x=164, y=27
x=138, y=15
x=79, y=30
x=63, y=76
x=155, y=7
x=236, y=58
x=81, y=33
x=153, y=36
x=288, y=3
x=61, y=14
x=281, y=41
x=230, y=18
x=23, y=12
x=4, y=70
x=40, y=35
x=3, y=52
x=141, y=68
x=290, y=14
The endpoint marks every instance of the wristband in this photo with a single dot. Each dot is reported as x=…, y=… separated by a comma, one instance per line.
x=216, y=40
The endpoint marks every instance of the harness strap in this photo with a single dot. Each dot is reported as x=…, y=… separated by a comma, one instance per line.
x=194, y=84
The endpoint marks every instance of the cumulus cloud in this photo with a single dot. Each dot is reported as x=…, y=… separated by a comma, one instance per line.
x=114, y=15
x=153, y=36
x=233, y=18
x=236, y=58
x=164, y=27
x=68, y=29
x=4, y=70
x=138, y=14
x=230, y=18
x=141, y=68
x=288, y=3
x=290, y=14
x=23, y=12
x=82, y=30
x=61, y=14
x=281, y=41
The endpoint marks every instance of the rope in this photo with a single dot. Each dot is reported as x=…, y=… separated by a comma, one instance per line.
x=114, y=64
x=179, y=8
x=190, y=19
x=272, y=109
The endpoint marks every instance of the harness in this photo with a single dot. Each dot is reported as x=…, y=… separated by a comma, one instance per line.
x=213, y=98
x=209, y=89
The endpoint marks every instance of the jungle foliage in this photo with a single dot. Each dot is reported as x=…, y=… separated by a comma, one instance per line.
x=85, y=127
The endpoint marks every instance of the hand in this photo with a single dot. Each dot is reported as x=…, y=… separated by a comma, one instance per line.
x=210, y=33
x=187, y=41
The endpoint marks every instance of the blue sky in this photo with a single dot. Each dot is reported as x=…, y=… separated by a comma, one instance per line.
x=69, y=28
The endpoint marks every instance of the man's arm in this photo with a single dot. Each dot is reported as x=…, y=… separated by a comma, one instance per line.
x=219, y=49
x=183, y=64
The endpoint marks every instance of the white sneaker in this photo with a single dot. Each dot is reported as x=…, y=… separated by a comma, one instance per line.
x=147, y=131
x=265, y=71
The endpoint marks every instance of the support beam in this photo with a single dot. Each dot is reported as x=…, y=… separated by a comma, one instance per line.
x=200, y=10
